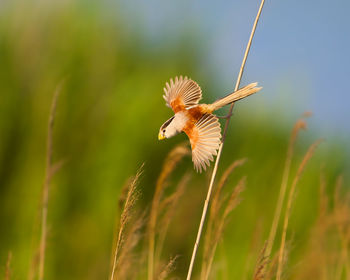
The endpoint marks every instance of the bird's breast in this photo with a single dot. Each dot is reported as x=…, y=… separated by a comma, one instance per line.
x=180, y=120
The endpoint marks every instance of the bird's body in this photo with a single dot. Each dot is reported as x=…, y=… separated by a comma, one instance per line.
x=197, y=120
x=184, y=121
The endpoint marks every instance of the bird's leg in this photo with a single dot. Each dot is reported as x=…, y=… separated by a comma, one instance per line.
x=225, y=117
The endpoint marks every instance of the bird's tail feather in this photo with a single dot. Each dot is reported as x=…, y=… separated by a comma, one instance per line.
x=235, y=96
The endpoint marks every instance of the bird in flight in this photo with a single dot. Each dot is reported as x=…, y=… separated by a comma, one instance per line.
x=196, y=120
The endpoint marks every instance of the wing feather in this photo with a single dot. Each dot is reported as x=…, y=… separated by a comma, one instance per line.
x=181, y=93
x=205, y=138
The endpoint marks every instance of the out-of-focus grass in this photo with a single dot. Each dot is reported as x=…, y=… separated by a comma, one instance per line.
x=107, y=122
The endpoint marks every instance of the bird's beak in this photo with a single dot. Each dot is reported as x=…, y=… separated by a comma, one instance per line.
x=161, y=136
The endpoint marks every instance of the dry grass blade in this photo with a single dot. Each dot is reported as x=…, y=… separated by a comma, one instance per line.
x=270, y=273
x=123, y=195
x=260, y=268
x=131, y=198
x=300, y=124
x=323, y=203
x=210, y=188
x=46, y=187
x=266, y=266
x=127, y=260
x=342, y=222
x=216, y=197
x=8, y=265
x=301, y=168
x=214, y=210
x=169, y=165
x=328, y=246
x=253, y=248
x=55, y=167
x=219, y=227
x=171, y=202
x=168, y=268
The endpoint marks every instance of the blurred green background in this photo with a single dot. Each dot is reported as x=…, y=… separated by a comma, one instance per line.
x=108, y=116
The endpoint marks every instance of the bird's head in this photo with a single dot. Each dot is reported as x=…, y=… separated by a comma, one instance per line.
x=167, y=130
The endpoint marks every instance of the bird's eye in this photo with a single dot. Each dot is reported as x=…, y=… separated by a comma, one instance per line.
x=163, y=130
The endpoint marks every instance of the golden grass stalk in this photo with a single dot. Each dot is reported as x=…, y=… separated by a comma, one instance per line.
x=50, y=169
x=169, y=165
x=301, y=168
x=168, y=269
x=127, y=259
x=210, y=188
x=327, y=252
x=223, y=180
x=130, y=201
x=253, y=247
x=169, y=207
x=214, y=215
x=342, y=222
x=231, y=204
x=8, y=266
x=323, y=201
x=300, y=124
x=259, y=273
x=318, y=234
x=270, y=273
x=265, y=268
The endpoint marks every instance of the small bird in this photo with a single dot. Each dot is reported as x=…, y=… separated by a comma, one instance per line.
x=196, y=120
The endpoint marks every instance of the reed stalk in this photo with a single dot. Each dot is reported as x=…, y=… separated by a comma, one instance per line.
x=126, y=215
x=169, y=165
x=50, y=169
x=300, y=124
x=296, y=179
x=210, y=188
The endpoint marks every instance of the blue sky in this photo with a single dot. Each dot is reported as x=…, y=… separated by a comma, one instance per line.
x=300, y=53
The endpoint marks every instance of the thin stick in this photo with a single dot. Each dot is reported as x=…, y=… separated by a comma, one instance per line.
x=210, y=188
x=301, y=168
x=46, y=187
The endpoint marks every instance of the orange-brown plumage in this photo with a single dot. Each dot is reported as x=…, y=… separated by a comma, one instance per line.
x=197, y=112
x=194, y=114
x=197, y=120
x=177, y=105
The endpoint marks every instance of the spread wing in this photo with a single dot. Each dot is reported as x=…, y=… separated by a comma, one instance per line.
x=182, y=93
x=205, y=138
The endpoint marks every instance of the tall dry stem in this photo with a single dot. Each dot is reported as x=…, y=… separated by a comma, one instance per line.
x=131, y=198
x=301, y=168
x=342, y=220
x=210, y=188
x=253, y=248
x=223, y=180
x=259, y=273
x=128, y=259
x=300, y=124
x=169, y=208
x=50, y=169
x=168, y=269
x=214, y=214
x=231, y=204
x=169, y=165
x=327, y=251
